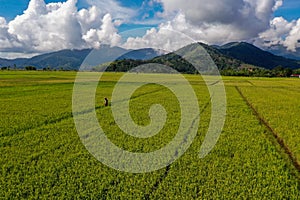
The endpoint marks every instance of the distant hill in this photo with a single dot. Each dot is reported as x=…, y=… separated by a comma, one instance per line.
x=142, y=54
x=118, y=59
x=177, y=59
x=280, y=50
x=234, y=55
x=66, y=59
x=183, y=60
x=72, y=59
x=251, y=54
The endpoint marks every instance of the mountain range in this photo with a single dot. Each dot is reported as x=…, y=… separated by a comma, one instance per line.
x=251, y=54
x=232, y=55
x=281, y=50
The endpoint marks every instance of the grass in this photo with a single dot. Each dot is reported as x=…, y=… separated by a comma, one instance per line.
x=42, y=155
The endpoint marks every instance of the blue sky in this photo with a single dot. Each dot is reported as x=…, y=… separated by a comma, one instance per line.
x=290, y=10
x=11, y=8
x=212, y=22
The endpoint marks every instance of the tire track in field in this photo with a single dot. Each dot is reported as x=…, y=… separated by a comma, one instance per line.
x=214, y=83
x=250, y=83
x=279, y=140
x=64, y=116
x=168, y=168
x=135, y=97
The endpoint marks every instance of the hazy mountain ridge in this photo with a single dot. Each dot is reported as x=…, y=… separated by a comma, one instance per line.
x=142, y=54
x=281, y=50
x=65, y=59
x=72, y=59
x=253, y=55
x=229, y=56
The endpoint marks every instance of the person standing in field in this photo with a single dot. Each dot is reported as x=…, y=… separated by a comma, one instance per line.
x=106, y=102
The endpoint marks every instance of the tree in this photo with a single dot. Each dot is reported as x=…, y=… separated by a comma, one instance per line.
x=288, y=72
x=296, y=71
x=280, y=71
x=30, y=68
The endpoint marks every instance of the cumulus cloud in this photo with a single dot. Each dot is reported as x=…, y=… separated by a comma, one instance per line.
x=292, y=41
x=216, y=22
x=5, y=41
x=275, y=35
x=281, y=32
x=114, y=8
x=241, y=15
x=89, y=18
x=55, y=26
x=44, y=28
x=277, y=5
x=169, y=36
x=106, y=35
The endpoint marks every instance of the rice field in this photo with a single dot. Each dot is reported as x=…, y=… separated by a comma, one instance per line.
x=42, y=156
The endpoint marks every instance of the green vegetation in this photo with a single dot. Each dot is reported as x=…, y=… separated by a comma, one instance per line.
x=42, y=155
x=228, y=66
x=278, y=103
x=30, y=68
x=251, y=71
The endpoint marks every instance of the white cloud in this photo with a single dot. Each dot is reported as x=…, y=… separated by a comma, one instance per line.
x=211, y=33
x=275, y=35
x=89, y=18
x=106, y=35
x=277, y=5
x=292, y=41
x=55, y=26
x=169, y=36
x=7, y=41
x=12, y=55
x=43, y=28
x=114, y=8
x=222, y=21
x=253, y=15
x=282, y=33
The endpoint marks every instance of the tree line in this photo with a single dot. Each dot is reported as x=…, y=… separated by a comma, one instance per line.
x=176, y=62
x=183, y=66
x=33, y=68
x=278, y=71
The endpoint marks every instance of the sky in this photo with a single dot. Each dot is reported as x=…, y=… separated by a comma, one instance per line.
x=31, y=27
